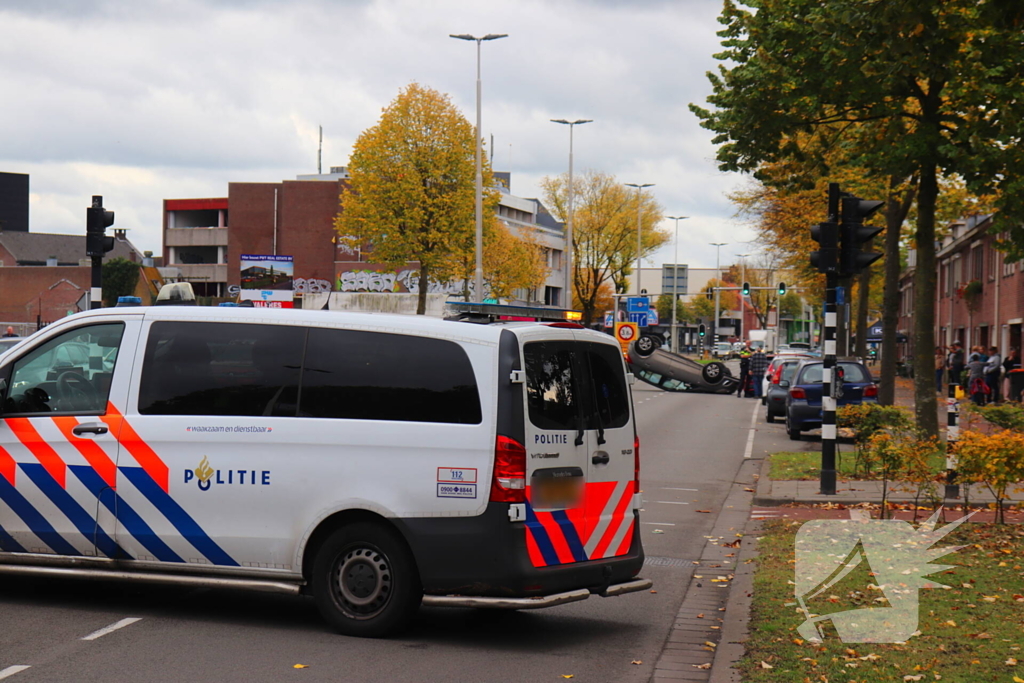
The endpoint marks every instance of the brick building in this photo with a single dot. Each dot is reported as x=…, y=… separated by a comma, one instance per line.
x=980, y=296
x=44, y=277
x=205, y=239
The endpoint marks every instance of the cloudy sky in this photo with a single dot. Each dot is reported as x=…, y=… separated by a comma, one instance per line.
x=145, y=100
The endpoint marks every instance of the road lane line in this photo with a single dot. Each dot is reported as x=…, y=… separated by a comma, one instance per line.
x=671, y=489
x=750, y=436
x=670, y=502
x=128, y=621
x=658, y=523
x=11, y=670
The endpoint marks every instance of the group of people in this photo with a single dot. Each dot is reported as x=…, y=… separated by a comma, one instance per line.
x=981, y=372
x=752, y=365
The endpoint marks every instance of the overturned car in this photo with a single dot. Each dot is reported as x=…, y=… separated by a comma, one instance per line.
x=675, y=373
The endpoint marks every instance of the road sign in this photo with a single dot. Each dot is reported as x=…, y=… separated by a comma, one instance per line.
x=609, y=318
x=638, y=304
x=626, y=333
x=638, y=319
x=652, y=316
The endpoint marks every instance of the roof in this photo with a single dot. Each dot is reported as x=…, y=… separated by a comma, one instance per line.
x=34, y=248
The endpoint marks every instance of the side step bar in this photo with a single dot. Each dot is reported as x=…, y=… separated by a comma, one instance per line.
x=265, y=586
x=534, y=603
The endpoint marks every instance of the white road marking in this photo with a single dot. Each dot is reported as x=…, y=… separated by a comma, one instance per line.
x=11, y=670
x=671, y=489
x=750, y=436
x=670, y=502
x=127, y=621
x=658, y=523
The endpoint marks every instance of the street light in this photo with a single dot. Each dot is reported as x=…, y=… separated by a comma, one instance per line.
x=568, y=220
x=718, y=288
x=675, y=279
x=743, y=278
x=639, y=189
x=479, y=280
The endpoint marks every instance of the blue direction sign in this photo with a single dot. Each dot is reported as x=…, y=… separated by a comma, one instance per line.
x=639, y=318
x=638, y=304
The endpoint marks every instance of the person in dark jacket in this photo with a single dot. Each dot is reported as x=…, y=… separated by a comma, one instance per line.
x=1012, y=365
x=956, y=363
x=758, y=366
x=744, y=374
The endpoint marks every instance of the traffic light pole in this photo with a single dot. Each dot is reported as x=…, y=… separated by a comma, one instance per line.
x=96, y=284
x=828, y=400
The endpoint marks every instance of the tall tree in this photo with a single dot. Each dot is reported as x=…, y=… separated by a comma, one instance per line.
x=604, y=231
x=907, y=88
x=511, y=262
x=120, y=277
x=412, y=187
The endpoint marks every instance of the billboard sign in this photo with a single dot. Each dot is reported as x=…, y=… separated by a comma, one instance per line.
x=267, y=280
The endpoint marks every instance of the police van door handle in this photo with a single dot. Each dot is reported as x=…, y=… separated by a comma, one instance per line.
x=600, y=458
x=90, y=428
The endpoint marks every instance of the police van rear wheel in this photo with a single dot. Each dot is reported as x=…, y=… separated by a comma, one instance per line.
x=365, y=582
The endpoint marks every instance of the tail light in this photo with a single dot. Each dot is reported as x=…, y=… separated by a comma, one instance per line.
x=777, y=375
x=636, y=464
x=870, y=390
x=797, y=392
x=509, y=482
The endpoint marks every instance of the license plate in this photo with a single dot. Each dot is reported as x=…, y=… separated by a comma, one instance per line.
x=561, y=493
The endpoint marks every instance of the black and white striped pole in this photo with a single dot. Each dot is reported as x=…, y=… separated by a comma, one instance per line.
x=952, y=436
x=830, y=390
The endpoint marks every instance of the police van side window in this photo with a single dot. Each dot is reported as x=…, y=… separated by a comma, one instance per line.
x=226, y=369
x=352, y=374
x=69, y=374
x=608, y=382
x=551, y=385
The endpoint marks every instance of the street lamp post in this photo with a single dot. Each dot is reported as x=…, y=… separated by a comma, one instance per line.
x=743, y=300
x=675, y=282
x=479, y=278
x=639, y=189
x=568, y=215
x=718, y=288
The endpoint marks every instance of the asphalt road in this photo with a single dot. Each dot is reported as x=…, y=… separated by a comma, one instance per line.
x=691, y=448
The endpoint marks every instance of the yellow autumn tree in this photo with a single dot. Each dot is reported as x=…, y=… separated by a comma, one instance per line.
x=412, y=187
x=511, y=261
x=604, y=231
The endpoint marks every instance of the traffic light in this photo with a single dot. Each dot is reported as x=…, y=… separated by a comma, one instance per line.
x=782, y=289
x=96, y=223
x=826, y=259
x=853, y=234
x=746, y=289
x=701, y=330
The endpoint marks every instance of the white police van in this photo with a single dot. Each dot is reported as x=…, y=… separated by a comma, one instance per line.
x=375, y=462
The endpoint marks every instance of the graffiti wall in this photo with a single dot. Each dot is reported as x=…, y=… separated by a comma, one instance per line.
x=370, y=277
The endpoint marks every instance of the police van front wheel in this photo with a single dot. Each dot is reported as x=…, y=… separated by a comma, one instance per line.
x=364, y=581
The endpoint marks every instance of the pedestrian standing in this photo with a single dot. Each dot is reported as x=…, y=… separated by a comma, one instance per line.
x=10, y=332
x=1012, y=365
x=976, y=379
x=993, y=368
x=956, y=363
x=744, y=374
x=940, y=367
x=758, y=367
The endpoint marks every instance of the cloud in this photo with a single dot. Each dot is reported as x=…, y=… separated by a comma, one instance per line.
x=145, y=101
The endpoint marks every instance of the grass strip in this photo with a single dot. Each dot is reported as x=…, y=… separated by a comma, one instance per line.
x=972, y=631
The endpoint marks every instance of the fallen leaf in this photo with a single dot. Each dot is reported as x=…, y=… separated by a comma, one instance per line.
x=951, y=623
x=707, y=512
x=766, y=665
x=654, y=591
x=911, y=678
x=301, y=666
x=567, y=675
x=637, y=662
x=700, y=616
x=870, y=657
x=710, y=644
x=746, y=489
x=1010, y=662
x=708, y=666
x=797, y=641
x=1018, y=679
x=657, y=531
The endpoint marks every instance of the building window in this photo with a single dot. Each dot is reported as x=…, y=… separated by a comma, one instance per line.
x=555, y=259
x=992, y=260
x=196, y=255
x=978, y=263
x=553, y=296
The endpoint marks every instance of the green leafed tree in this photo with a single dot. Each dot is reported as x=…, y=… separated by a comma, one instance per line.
x=412, y=189
x=907, y=89
x=120, y=277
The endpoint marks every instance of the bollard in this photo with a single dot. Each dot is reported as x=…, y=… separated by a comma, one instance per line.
x=952, y=434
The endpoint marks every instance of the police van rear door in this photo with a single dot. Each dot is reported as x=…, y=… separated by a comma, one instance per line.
x=557, y=448
x=611, y=458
